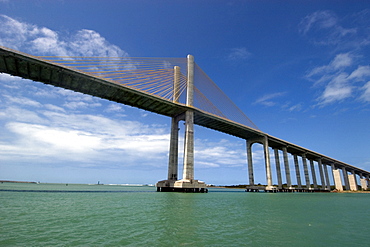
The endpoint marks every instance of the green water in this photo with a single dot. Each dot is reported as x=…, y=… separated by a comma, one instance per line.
x=83, y=215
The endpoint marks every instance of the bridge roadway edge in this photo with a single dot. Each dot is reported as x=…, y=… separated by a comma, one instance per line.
x=29, y=67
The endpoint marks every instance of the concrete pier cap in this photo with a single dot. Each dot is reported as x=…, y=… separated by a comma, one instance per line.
x=183, y=185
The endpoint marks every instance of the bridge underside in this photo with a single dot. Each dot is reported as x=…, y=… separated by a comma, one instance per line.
x=36, y=69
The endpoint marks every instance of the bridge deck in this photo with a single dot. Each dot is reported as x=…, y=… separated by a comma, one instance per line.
x=29, y=67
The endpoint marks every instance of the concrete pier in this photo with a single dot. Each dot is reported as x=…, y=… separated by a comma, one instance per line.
x=313, y=173
x=321, y=171
x=305, y=169
x=363, y=181
x=267, y=164
x=340, y=177
x=337, y=180
x=250, y=162
x=345, y=178
x=352, y=182
x=297, y=171
x=191, y=186
x=327, y=177
x=278, y=171
x=187, y=183
x=266, y=152
x=287, y=169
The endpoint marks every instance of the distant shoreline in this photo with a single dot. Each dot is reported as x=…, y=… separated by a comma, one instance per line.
x=23, y=182
x=212, y=186
x=351, y=191
x=243, y=187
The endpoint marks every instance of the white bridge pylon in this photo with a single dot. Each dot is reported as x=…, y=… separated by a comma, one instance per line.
x=187, y=183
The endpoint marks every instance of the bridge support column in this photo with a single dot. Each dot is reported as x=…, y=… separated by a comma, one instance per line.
x=267, y=163
x=174, y=149
x=287, y=169
x=297, y=172
x=337, y=180
x=352, y=181
x=345, y=178
x=322, y=178
x=250, y=163
x=264, y=141
x=306, y=175
x=173, y=159
x=278, y=170
x=188, y=171
x=168, y=185
x=313, y=174
x=327, y=177
x=364, y=182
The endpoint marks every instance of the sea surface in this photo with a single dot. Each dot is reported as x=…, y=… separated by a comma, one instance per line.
x=115, y=215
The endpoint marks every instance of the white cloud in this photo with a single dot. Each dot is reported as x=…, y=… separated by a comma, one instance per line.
x=90, y=43
x=54, y=108
x=318, y=19
x=366, y=92
x=73, y=96
x=114, y=108
x=8, y=78
x=339, y=79
x=219, y=154
x=296, y=107
x=22, y=101
x=84, y=138
x=15, y=113
x=58, y=139
x=205, y=164
x=80, y=104
x=96, y=124
x=324, y=28
x=361, y=73
x=266, y=100
x=44, y=41
x=12, y=32
x=239, y=54
x=337, y=89
x=341, y=61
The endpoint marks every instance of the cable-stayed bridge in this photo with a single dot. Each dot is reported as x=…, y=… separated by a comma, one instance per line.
x=178, y=88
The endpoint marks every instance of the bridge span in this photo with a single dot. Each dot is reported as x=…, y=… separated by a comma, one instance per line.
x=112, y=83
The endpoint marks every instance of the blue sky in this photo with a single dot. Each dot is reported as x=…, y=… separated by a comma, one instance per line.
x=298, y=69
